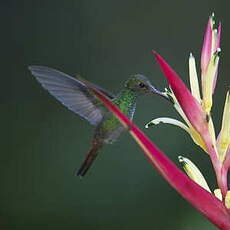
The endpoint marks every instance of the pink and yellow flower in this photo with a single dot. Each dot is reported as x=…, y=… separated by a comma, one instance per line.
x=195, y=106
x=195, y=111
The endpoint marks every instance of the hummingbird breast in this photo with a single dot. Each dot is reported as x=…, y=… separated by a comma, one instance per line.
x=110, y=128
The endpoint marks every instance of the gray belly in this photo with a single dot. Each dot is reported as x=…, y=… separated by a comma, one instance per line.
x=113, y=135
x=108, y=136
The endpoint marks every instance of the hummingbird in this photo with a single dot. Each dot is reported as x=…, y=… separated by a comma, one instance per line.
x=77, y=95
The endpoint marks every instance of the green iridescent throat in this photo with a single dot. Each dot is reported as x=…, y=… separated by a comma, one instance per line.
x=126, y=101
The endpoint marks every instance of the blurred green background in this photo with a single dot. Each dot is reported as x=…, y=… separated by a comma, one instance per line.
x=43, y=142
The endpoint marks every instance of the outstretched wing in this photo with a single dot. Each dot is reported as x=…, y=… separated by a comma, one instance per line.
x=108, y=94
x=72, y=93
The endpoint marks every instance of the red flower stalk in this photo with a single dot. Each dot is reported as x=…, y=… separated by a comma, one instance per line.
x=203, y=201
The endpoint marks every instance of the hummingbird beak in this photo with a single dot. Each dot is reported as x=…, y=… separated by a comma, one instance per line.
x=153, y=90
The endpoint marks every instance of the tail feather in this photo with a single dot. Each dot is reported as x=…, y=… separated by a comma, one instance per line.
x=91, y=156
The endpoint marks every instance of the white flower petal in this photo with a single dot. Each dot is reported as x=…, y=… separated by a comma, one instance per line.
x=224, y=136
x=208, y=81
x=193, y=172
x=167, y=120
x=227, y=200
x=194, y=84
x=178, y=108
x=218, y=194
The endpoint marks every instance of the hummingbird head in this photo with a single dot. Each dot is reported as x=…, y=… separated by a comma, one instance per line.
x=141, y=85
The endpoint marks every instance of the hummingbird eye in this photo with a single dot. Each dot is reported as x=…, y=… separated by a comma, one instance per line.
x=141, y=85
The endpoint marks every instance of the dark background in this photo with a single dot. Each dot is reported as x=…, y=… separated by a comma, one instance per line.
x=43, y=142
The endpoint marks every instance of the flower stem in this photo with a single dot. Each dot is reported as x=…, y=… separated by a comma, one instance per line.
x=224, y=177
x=221, y=175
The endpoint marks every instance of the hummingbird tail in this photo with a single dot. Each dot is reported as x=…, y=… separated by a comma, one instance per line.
x=91, y=156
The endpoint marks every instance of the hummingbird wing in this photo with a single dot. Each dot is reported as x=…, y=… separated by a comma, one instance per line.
x=72, y=93
x=104, y=91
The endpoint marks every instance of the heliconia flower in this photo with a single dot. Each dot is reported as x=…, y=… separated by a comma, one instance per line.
x=211, y=42
x=188, y=128
x=199, y=123
x=208, y=81
x=190, y=106
x=195, y=105
x=195, y=90
x=194, y=83
x=202, y=200
x=194, y=109
x=193, y=172
x=207, y=44
x=209, y=62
